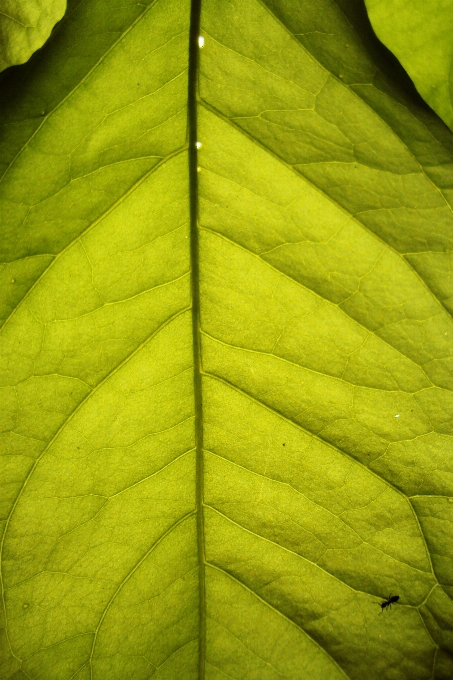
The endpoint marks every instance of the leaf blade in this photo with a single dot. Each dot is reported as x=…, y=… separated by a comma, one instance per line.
x=419, y=35
x=25, y=25
x=324, y=363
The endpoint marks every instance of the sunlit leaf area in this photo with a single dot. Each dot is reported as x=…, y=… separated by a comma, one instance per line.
x=226, y=364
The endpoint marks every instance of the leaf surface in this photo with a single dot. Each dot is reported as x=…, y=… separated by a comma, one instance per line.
x=419, y=34
x=226, y=367
x=25, y=26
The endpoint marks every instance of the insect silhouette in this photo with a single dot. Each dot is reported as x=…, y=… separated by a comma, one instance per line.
x=391, y=599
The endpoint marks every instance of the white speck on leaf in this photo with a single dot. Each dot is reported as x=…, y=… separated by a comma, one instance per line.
x=200, y=41
x=198, y=145
x=397, y=415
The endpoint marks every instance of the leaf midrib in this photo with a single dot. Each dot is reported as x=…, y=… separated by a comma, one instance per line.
x=192, y=138
x=194, y=247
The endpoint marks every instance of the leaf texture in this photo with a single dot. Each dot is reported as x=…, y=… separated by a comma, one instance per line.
x=226, y=370
x=419, y=34
x=25, y=26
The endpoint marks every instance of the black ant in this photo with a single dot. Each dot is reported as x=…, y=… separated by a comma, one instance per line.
x=391, y=599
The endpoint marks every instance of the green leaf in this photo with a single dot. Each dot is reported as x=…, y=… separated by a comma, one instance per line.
x=25, y=26
x=225, y=369
x=419, y=33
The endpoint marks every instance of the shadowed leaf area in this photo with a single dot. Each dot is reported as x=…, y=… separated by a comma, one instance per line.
x=225, y=436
